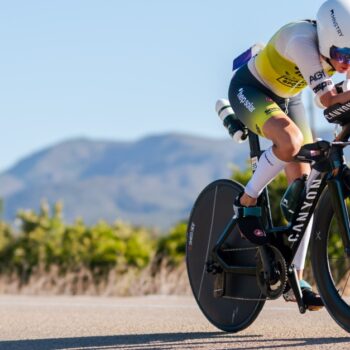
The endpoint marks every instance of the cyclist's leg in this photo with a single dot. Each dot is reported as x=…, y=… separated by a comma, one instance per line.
x=262, y=115
x=252, y=105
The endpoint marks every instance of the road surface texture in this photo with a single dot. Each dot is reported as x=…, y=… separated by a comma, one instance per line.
x=154, y=322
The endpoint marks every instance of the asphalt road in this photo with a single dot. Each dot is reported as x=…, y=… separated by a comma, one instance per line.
x=154, y=322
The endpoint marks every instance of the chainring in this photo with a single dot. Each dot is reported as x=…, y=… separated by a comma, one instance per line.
x=274, y=286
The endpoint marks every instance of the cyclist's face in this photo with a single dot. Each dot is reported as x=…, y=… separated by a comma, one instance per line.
x=340, y=67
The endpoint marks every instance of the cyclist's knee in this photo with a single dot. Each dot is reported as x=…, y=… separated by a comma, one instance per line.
x=295, y=141
x=285, y=135
x=288, y=144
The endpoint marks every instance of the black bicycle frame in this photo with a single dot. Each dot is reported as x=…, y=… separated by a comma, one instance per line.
x=287, y=238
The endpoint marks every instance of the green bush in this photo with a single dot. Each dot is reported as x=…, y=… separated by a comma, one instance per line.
x=6, y=246
x=44, y=240
x=173, y=245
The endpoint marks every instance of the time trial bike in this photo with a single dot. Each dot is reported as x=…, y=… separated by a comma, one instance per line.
x=231, y=278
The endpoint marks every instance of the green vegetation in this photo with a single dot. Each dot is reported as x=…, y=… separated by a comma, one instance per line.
x=42, y=242
x=172, y=247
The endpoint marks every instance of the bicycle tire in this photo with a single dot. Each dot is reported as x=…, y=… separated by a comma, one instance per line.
x=210, y=214
x=326, y=266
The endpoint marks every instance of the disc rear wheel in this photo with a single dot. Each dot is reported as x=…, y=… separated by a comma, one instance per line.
x=230, y=301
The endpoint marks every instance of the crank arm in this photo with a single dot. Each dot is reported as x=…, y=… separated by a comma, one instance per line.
x=294, y=283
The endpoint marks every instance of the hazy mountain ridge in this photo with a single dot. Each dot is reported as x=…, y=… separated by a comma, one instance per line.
x=152, y=181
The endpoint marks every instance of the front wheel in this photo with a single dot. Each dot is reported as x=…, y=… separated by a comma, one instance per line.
x=242, y=300
x=330, y=263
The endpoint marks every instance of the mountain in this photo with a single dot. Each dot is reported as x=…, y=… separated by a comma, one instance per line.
x=153, y=181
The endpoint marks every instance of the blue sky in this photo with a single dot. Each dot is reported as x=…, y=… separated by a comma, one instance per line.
x=122, y=70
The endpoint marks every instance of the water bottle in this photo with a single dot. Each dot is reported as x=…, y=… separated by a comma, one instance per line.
x=235, y=128
x=292, y=197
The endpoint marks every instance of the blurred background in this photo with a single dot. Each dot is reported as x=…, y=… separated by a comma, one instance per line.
x=108, y=127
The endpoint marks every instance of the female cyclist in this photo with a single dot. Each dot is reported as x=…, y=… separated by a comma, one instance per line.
x=265, y=94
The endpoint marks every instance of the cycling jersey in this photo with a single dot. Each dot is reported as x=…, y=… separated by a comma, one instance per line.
x=254, y=104
x=291, y=61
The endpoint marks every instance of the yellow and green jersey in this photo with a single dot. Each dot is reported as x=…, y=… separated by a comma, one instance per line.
x=291, y=61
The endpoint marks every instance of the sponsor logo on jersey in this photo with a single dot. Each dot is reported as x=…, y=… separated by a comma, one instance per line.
x=272, y=110
x=335, y=23
x=317, y=76
x=243, y=100
x=297, y=72
x=291, y=81
x=322, y=86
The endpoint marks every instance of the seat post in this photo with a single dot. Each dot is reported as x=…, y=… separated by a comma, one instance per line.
x=255, y=149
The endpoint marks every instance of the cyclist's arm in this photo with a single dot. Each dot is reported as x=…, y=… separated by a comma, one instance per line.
x=303, y=50
x=331, y=97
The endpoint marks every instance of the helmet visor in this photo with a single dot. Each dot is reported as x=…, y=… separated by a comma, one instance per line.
x=340, y=54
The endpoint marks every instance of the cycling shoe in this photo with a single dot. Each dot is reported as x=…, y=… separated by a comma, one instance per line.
x=312, y=300
x=249, y=223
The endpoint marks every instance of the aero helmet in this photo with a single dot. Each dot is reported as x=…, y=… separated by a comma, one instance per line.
x=333, y=26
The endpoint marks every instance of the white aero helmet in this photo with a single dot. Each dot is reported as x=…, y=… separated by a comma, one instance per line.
x=333, y=26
